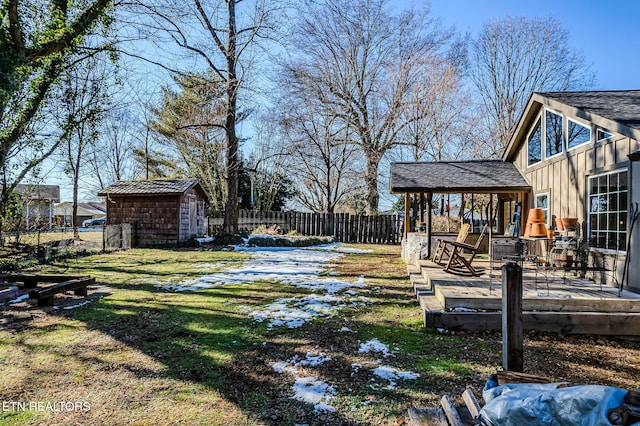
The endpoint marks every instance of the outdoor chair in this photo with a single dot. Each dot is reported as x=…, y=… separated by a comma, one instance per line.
x=457, y=260
x=444, y=247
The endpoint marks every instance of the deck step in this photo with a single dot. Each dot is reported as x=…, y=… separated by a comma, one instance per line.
x=429, y=303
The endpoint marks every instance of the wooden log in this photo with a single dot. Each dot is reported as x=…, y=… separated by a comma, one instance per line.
x=471, y=402
x=518, y=377
x=9, y=294
x=427, y=417
x=450, y=411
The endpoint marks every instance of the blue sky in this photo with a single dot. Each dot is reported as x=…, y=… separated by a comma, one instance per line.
x=606, y=32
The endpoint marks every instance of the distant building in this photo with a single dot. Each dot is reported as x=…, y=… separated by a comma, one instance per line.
x=38, y=204
x=64, y=211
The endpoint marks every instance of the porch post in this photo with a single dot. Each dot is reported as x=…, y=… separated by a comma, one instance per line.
x=429, y=199
x=407, y=221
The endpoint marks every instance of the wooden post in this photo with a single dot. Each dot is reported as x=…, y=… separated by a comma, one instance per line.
x=512, y=339
x=429, y=224
x=407, y=220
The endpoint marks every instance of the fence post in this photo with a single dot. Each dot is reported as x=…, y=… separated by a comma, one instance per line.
x=512, y=339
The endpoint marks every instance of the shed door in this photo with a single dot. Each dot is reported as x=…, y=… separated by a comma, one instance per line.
x=193, y=217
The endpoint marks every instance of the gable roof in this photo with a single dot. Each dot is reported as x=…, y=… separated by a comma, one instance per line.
x=615, y=111
x=130, y=188
x=30, y=192
x=489, y=176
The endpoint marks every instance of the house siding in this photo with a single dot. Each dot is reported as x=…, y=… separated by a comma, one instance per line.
x=565, y=178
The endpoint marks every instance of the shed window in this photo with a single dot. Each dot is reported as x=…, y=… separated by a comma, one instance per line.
x=534, y=144
x=577, y=134
x=608, y=210
x=553, y=129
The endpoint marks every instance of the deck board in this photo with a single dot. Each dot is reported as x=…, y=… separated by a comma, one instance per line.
x=555, y=302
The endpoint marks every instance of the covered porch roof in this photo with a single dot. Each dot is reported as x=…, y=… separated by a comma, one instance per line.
x=443, y=177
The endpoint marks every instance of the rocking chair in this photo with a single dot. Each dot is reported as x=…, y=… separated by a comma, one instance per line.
x=444, y=247
x=456, y=259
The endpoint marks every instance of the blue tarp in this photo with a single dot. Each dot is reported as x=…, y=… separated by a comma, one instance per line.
x=549, y=404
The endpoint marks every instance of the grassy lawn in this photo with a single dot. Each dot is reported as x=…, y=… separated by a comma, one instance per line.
x=140, y=354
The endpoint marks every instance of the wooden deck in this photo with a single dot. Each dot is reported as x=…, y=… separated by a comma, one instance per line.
x=552, y=301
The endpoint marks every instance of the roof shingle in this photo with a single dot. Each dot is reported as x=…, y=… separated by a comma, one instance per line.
x=457, y=177
x=150, y=187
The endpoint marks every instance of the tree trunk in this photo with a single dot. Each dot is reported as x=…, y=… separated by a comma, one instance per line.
x=371, y=183
x=231, y=207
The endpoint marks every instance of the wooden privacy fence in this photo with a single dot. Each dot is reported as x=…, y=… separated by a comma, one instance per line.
x=344, y=227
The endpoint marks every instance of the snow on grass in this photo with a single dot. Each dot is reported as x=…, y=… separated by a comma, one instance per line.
x=392, y=374
x=18, y=299
x=308, y=389
x=374, y=345
x=294, y=312
x=289, y=265
x=385, y=372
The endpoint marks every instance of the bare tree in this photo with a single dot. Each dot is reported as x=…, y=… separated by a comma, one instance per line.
x=323, y=160
x=436, y=115
x=85, y=100
x=367, y=62
x=221, y=34
x=514, y=57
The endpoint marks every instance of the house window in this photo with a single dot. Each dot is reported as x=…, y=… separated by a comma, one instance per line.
x=608, y=210
x=577, y=134
x=553, y=134
x=542, y=202
x=534, y=144
x=602, y=135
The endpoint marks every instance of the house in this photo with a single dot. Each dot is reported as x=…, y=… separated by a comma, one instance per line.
x=160, y=211
x=63, y=212
x=576, y=149
x=575, y=155
x=37, y=203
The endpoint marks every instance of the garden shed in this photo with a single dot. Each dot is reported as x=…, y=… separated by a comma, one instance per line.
x=160, y=212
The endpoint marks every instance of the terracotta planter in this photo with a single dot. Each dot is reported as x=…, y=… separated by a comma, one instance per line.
x=566, y=223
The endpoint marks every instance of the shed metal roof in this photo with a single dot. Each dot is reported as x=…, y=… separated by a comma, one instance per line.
x=150, y=187
x=489, y=176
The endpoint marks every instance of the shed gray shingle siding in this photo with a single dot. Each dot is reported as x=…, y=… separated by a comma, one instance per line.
x=457, y=176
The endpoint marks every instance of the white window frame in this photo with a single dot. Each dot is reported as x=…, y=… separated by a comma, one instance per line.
x=626, y=211
x=562, y=134
x=567, y=137
x=544, y=209
x=602, y=140
x=531, y=130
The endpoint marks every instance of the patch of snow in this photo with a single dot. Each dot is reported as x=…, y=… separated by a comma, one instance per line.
x=374, y=345
x=205, y=239
x=18, y=299
x=312, y=390
x=392, y=374
x=338, y=248
x=345, y=329
x=308, y=388
x=293, y=312
x=86, y=302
